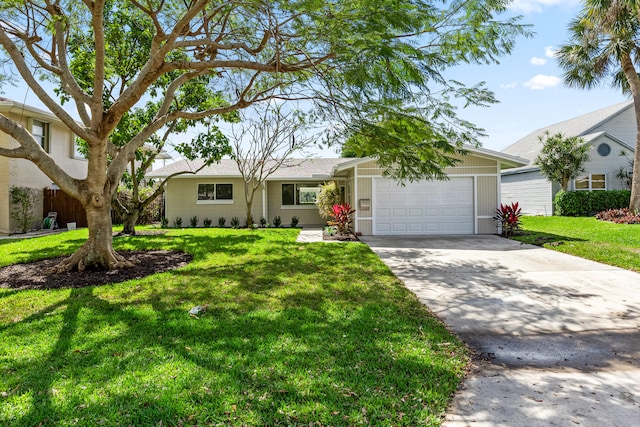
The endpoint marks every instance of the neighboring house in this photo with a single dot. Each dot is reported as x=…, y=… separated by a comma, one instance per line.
x=464, y=204
x=610, y=131
x=54, y=137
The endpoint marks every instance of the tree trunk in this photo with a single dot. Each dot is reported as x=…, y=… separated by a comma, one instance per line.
x=97, y=252
x=634, y=83
x=129, y=221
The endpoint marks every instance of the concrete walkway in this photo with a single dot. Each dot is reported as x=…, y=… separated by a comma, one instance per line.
x=558, y=337
x=310, y=235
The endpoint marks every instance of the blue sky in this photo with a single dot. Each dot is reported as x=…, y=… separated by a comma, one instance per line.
x=527, y=83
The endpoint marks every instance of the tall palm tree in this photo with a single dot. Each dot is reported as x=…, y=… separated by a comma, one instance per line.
x=604, y=46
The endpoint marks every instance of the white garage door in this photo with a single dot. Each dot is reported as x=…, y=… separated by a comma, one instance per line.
x=424, y=207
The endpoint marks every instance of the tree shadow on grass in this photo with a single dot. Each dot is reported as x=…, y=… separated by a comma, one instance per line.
x=539, y=238
x=285, y=353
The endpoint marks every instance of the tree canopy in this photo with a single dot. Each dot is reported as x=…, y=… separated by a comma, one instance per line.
x=562, y=158
x=359, y=63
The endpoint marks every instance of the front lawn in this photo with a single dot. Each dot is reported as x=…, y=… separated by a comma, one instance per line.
x=295, y=334
x=609, y=243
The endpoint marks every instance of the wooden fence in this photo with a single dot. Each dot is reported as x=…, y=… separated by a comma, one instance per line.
x=67, y=208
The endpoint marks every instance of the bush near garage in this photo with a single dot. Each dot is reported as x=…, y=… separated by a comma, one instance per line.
x=588, y=203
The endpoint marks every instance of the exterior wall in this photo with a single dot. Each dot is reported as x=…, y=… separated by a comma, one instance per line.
x=486, y=204
x=531, y=190
x=23, y=173
x=622, y=126
x=609, y=165
x=308, y=215
x=4, y=187
x=182, y=197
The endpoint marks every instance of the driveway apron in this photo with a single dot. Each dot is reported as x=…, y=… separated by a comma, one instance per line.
x=557, y=338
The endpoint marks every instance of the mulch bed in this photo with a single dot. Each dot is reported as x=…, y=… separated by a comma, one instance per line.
x=339, y=237
x=34, y=275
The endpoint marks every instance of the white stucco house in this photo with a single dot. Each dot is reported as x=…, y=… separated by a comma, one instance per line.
x=56, y=138
x=609, y=131
x=464, y=204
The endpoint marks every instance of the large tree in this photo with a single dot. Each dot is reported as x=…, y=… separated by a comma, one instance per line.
x=605, y=46
x=360, y=62
x=562, y=158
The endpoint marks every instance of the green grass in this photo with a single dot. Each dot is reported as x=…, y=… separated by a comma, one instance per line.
x=294, y=334
x=613, y=244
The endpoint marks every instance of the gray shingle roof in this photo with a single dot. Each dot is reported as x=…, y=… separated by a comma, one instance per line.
x=227, y=168
x=529, y=147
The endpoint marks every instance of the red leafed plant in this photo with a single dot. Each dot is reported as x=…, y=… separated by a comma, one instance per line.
x=509, y=217
x=619, y=216
x=342, y=218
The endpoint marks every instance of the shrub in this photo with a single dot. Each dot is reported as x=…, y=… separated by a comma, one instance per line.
x=294, y=221
x=619, y=216
x=328, y=197
x=222, y=221
x=177, y=223
x=149, y=214
x=23, y=200
x=508, y=216
x=207, y=222
x=235, y=222
x=164, y=222
x=263, y=222
x=277, y=221
x=342, y=218
x=587, y=203
x=193, y=221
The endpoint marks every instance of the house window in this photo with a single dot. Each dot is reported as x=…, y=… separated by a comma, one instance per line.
x=79, y=149
x=40, y=132
x=604, y=149
x=215, y=193
x=300, y=194
x=591, y=182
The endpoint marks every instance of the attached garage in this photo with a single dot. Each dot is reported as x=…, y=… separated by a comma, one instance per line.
x=463, y=204
x=424, y=207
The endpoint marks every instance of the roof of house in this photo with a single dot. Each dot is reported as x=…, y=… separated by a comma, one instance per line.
x=531, y=167
x=8, y=105
x=310, y=168
x=529, y=147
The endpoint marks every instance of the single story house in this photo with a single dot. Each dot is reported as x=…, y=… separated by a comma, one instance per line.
x=464, y=204
x=609, y=131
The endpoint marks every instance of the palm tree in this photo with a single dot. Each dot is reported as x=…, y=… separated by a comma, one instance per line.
x=604, y=47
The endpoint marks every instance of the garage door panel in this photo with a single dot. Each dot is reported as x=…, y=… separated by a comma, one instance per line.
x=424, y=207
x=383, y=213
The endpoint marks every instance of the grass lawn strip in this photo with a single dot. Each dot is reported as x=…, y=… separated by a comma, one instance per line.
x=293, y=334
x=605, y=242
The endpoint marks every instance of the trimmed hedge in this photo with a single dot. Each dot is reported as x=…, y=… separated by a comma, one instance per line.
x=587, y=203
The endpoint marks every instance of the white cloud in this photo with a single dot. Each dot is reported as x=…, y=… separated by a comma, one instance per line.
x=542, y=82
x=528, y=6
x=550, y=51
x=538, y=61
x=512, y=85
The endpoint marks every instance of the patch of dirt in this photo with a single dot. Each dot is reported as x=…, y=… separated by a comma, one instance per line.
x=339, y=237
x=34, y=275
x=141, y=233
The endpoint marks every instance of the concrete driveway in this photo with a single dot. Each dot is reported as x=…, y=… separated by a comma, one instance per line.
x=558, y=337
